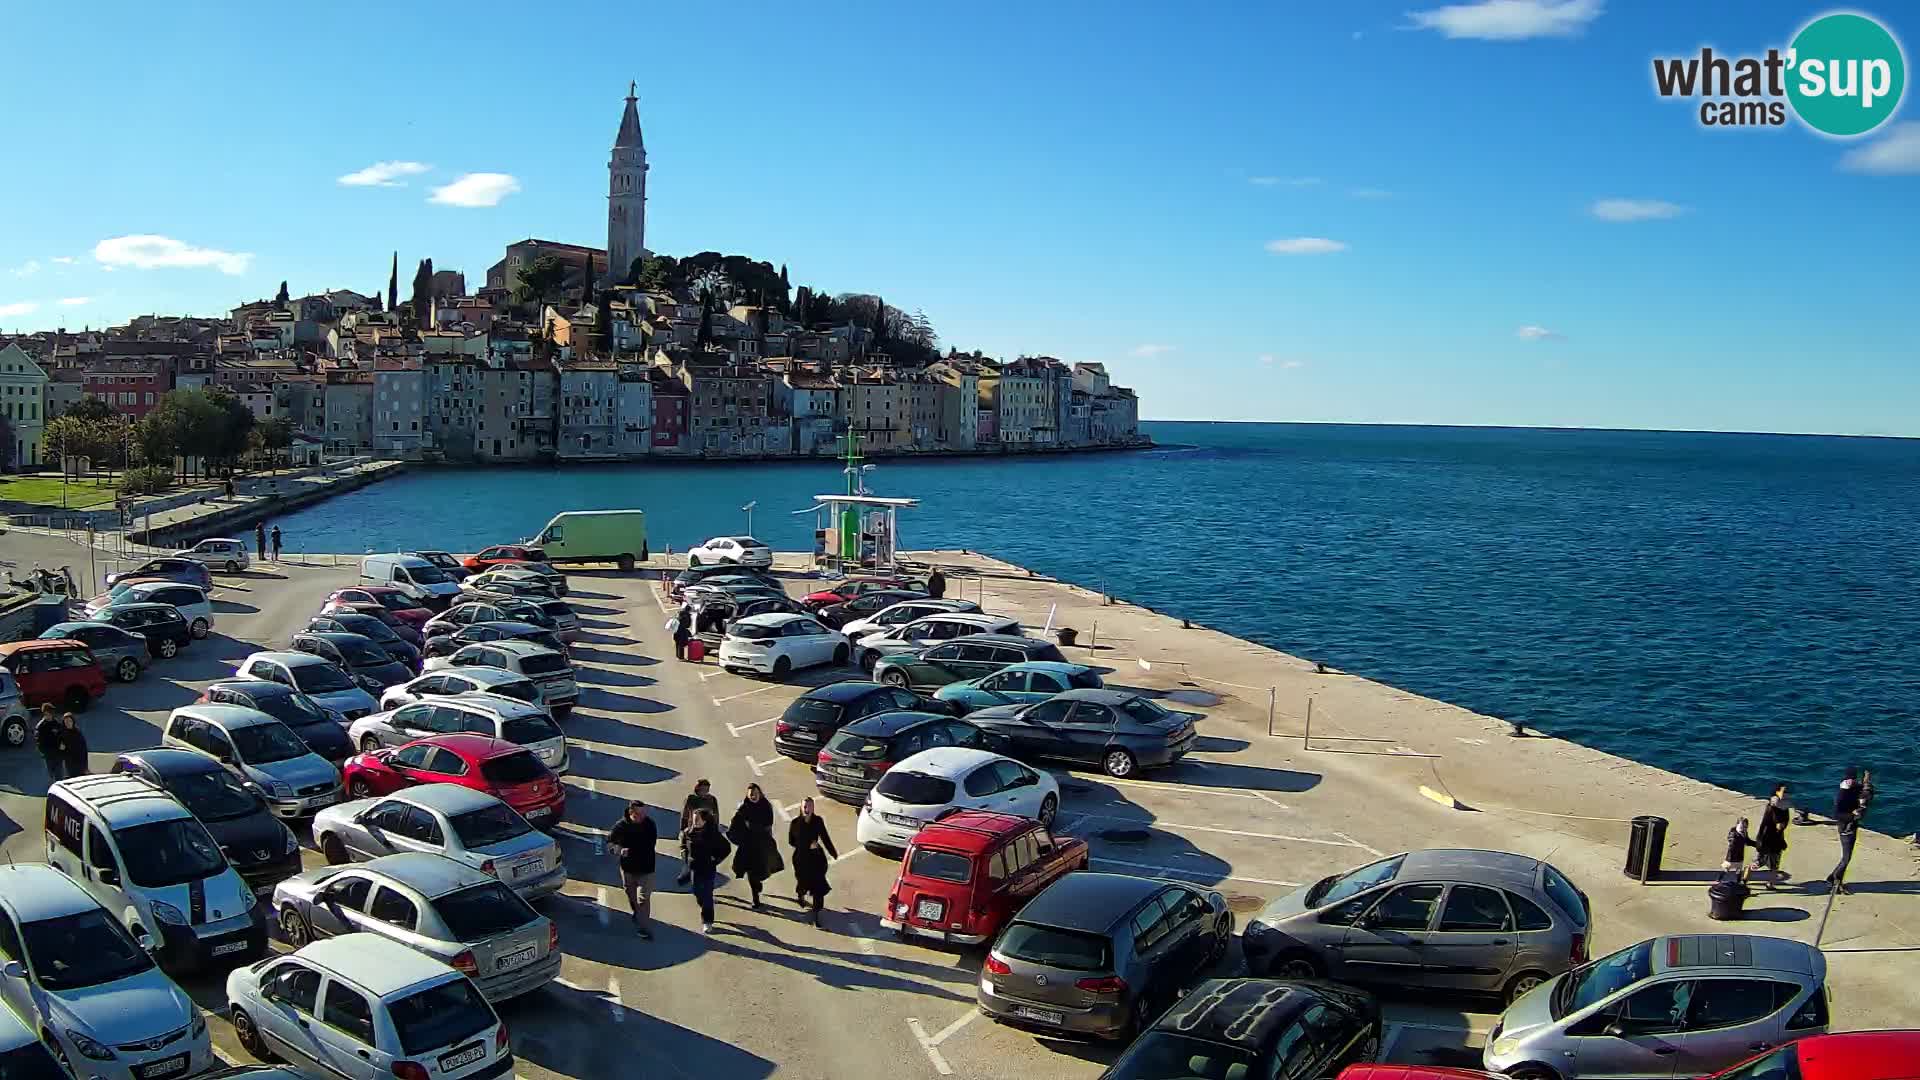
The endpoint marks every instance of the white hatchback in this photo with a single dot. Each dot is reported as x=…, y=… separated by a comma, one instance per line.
x=780, y=643
x=934, y=783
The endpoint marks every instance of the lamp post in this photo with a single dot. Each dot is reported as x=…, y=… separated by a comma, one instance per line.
x=749, y=509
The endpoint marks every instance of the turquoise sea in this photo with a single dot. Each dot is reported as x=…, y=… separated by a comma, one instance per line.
x=1739, y=608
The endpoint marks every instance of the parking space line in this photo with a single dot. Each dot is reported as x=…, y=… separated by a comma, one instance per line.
x=1375, y=852
x=933, y=1054
x=951, y=1029
x=705, y=675
x=1173, y=871
x=606, y=912
x=736, y=729
x=1177, y=827
x=748, y=693
x=754, y=765
x=613, y=1004
x=1178, y=788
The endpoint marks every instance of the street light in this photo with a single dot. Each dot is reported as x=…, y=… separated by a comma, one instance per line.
x=749, y=509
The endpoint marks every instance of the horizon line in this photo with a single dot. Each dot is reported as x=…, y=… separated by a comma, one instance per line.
x=1538, y=427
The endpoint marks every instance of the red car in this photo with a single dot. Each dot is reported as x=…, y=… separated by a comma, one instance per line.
x=1850, y=1055
x=1410, y=1072
x=964, y=876
x=61, y=671
x=504, y=554
x=507, y=771
x=842, y=591
x=404, y=607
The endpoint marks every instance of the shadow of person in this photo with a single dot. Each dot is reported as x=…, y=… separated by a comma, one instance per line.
x=592, y=727
x=563, y=1029
x=600, y=677
x=593, y=697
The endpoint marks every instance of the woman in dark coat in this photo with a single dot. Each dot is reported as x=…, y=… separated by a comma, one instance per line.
x=756, y=855
x=812, y=853
x=75, y=743
x=1771, y=841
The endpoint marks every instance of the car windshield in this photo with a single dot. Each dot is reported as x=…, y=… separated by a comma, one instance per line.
x=479, y=912
x=1067, y=949
x=30, y=1061
x=1147, y=712
x=858, y=747
x=939, y=865
x=80, y=950
x=264, y=744
x=752, y=632
x=916, y=788
x=321, y=678
x=812, y=711
x=362, y=653
x=1602, y=979
x=558, y=609
x=1335, y=889
x=212, y=796
x=291, y=709
x=546, y=663
x=395, y=601
x=1570, y=899
x=427, y=575
x=1084, y=680
x=528, y=729
x=160, y=854
x=447, y=1014
x=518, y=690
x=1163, y=1055
x=369, y=627
x=488, y=825
x=520, y=768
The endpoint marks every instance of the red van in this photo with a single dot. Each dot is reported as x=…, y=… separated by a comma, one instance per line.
x=61, y=671
x=965, y=875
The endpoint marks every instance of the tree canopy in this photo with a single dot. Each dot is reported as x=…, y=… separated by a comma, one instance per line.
x=541, y=279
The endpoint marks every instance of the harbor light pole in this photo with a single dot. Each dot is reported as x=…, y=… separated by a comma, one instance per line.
x=749, y=509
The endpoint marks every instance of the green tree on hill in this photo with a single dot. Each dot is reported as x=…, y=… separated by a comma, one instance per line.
x=89, y=408
x=422, y=300
x=541, y=280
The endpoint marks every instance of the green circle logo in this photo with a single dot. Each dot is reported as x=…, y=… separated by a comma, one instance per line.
x=1846, y=74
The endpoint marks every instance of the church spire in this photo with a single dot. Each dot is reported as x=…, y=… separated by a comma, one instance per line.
x=630, y=123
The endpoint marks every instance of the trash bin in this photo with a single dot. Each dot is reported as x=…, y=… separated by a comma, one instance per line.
x=1067, y=635
x=1728, y=898
x=1645, y=846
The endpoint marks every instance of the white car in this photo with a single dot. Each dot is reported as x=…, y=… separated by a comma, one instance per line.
x=190, y=599
x=218, y=553
x=778, y=644
x=934, y=783
x=739, y=550
x=447, y=682
x=479, y=714
x=904, y=612
x=364, y=1007
x=928, y=631
x=467, y=826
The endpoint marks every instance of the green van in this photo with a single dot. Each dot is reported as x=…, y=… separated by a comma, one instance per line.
x=615, y=536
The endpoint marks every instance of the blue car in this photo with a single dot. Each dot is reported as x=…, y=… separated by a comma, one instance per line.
x=1018, y=684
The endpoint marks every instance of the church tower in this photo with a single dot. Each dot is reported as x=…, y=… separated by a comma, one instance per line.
x=626, y=194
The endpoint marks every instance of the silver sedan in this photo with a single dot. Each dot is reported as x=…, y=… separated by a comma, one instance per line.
x=453, y=913
x=470, y=827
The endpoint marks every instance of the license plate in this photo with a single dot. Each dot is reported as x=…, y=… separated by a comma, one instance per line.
x=805, y=736
x=844, y=771
x=528, y=868
x=460, y=1059
x=540, y=813
x=520, y=957
x=229, y=948
x=168, y=1067
x=1045, y=1016
x=929, y=909
x=322, y=800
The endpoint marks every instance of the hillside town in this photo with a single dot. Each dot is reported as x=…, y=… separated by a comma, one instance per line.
x=574, y=353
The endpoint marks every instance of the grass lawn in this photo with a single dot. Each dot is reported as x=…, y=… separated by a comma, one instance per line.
x=45, y=490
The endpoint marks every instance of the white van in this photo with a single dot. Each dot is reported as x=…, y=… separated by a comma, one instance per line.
x=412, y=575
x=145, y=858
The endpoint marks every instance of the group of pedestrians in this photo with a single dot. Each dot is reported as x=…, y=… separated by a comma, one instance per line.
x=260, y=537
x=1769, y=843
x=704, y=847
x=62, y=745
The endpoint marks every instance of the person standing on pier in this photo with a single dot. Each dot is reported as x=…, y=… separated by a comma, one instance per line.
x=73, y=743
x=936, y=584
x=701, y=799
x=260, y=539
x=812, y=853
x=276, y=543
x=756, y=855
x=682, y=633
x=1849, y=829
x=50, y=738
x=1738, y=841
x=705, y=849
x=1771, y=843
x=632, y=841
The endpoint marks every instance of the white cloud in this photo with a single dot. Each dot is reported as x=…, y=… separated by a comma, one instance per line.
x=65, y=260
x=1270, y=360
x=1305, y=245
x=24, y=307
x=1538, y=333
x=27, y=269
x=476, y=189
x=1370, y=193
x=1356, y=35
x=1635, y=209
x=1283, y=181
x=1509, y=20
x=75, y=301
x=384, y=174
x=149, y=252
x=1898, y=152
x=1147, y=352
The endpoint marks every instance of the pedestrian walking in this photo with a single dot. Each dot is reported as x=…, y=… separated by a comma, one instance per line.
x=701, y=799
x=812, y=853
x=682, y=633
x=260, y=539
x=705, y=849
x=276, y=543
x=50, y=738
x=756, y=855
x=1849, y=830
x=936, y=584
x=1738, y=841
x=73, y=746
x=632, y=841
x=1771, y=842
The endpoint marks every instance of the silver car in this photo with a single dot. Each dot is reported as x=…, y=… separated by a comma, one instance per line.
x=467, y=680
x=1443, y=919
x=1670, y=1006
x=477, y=714
x=121, y=653
x=293, y=779
x=431, y=904
x=467, y=826
x=14, y=719
x=327, y=685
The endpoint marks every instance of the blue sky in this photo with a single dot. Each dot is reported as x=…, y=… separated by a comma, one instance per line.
x=1090, y=181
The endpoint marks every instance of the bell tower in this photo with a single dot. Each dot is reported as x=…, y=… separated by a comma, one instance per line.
x=626, y=194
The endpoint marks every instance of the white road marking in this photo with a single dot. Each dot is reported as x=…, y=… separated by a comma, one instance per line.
x=614, y=1006
x=748, y=693
x=705, y=675
x=736, y=729
x=592, y=784
x=933, y=1054
x=1173, y=871
x=606, y=913
x=760, y=765
x=951, y=1029
x=1177, y=827
x=752, y=764
x=1182, y=789
x=1375, y=852
x=848, y=854
x=1423, y=1026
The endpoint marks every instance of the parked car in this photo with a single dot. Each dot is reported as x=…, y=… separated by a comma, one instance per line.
x=121, y=652
x=1102, y=954
x=929, y=631
x=396, y=647
x=24, y=1055
x=452, y=912
x=812, y=718
x=693, y=575
x=1018, y=684
x=505, y=770
x=80, y=978
x=322, y=729
x=1247, y=1027
x=516, y=722
x=412, y=575
x=903, y=612
x=362, y=1007
x=737, y=550
x=406, y=631
x=257, y=844
x=713, y=612
x=370, y=665
x=167, y=568
x=14, y=719
x=328, y=686
x=848, y=588
x=1850, y=1055
x=1411, y=1072
x=494, y=583
x=1122, y=731
x=503, y=554
x=859, y=754
x=1683, y=1005
x=466, y=612
x=963, y=877
x=548, y=668
x=777, y=645
x=529, y=573
x=260, y=750
x=223, y=552
x=462, y=680
x=404, y=607
x=58, y=672
x=441, y=646
x=560, y=617
x=934, y=783
x=1445, y=918
x=167, y=631
x=466, y=825
x=190, y=599
x=970, y=657
x=444, y=562
x=860, y=607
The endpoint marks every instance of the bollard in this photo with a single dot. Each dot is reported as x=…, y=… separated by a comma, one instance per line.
x=1307, y=736
x=1093, y=636
x=1272, y=697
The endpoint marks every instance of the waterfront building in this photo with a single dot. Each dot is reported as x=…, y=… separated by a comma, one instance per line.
x=672, y=408
x=348, y=407
x=588, y=409
x=130, y=386
x=956, y=403
x=1019, y=393
x=634, y=411
x=813, y=408
x=729, y=404
x=876, y=406
x=23, y=401
x=63, y=390
x=400, y=407
x=922, y=407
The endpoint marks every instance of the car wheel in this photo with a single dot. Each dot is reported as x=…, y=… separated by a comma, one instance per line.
x=1519, y=985
x=200, y=628
x=332, y=849
x=128, y=669
x=168, y=647
x=1370, y=1049
x=693, y=561
x=59, y=1052
x=895, y=677
x=626, y=564
x=1532, y=1070
x=368, y=744
x=249, y=1035
x=76, y=699
x=360, y=789
x=782, y=668
x=869, y=660
x=1049, y=809
x=15, y=731
x=839, y=655
x=1220, y=940
x=293, y=927
x=232, y=567
x=1298, y=964
x=1118, y=763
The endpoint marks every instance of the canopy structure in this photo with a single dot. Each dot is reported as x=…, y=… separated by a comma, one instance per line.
x=856, y=530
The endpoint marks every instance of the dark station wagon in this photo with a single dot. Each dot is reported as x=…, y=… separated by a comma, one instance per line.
x=806, y=725
x=963, y=658
x=1121, y=731
x=856, y=757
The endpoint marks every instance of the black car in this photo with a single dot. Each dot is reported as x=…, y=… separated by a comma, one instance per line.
x=859, y=754
x=873, y=603
x=1256, y=1027
x=814, y=716
x=712, y=612
x=695, y=574
x=361, y=658
x=1119, y=730
x=325, y=733
x=166, y=630
x=405, y=630
x=352, y=622
x=499, y=630
x=259, y=845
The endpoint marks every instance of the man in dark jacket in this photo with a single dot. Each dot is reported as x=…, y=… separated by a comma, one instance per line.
x=936, y=584
x=260, y=539
x=632, y=841
x=701, y=799
x=50, y=738
x=1849, y=829
x=706, y=849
